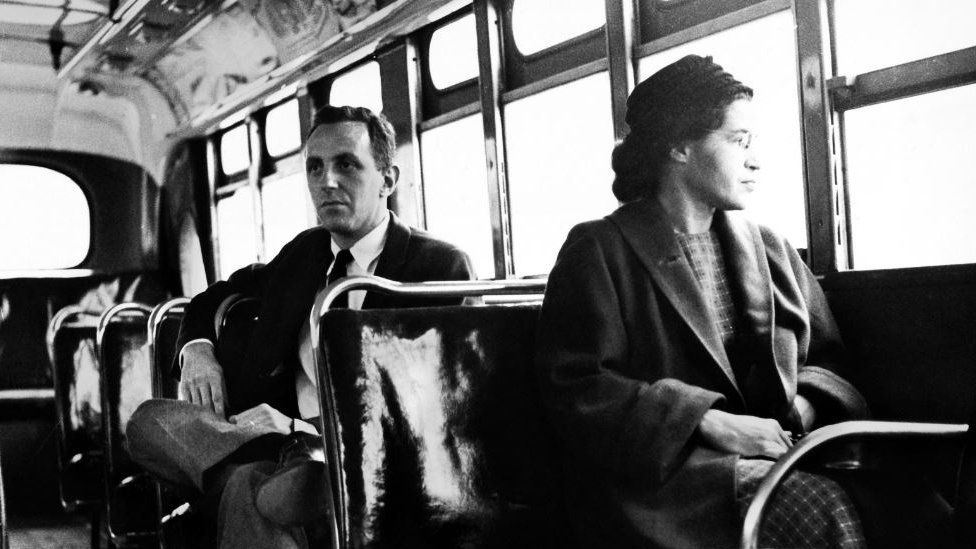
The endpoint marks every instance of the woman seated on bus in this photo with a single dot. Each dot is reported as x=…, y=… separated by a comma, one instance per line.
x=682, y=347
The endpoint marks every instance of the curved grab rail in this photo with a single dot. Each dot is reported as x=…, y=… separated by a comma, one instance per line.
x=159, y=313
x=339, y=525
x=59, y=319
x=114, y=314
x=822, y=436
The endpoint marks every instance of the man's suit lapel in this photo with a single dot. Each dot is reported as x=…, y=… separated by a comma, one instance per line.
x=653, y=240
x=392, y=258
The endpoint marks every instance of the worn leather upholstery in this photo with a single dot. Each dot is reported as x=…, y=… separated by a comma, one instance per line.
x=126, y=381
x=164, y=356
x=78, y=413
x=442, y=437
x=4, y=544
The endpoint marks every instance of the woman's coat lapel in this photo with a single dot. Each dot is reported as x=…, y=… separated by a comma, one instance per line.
x=653, y=240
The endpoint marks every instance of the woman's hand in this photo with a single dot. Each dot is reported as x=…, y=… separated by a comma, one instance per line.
x=748, y=436
x=263, y=418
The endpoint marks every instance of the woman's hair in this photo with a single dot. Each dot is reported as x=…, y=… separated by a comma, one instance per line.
x=679, y=102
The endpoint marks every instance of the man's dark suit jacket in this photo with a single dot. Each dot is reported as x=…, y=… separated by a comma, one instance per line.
x=286, y=288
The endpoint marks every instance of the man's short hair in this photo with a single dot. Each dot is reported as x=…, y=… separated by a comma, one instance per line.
x=382, y=136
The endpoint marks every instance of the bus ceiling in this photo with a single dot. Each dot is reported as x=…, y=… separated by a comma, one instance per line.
x=207, y=59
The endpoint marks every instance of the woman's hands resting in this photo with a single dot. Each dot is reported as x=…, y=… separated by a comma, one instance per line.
x=748, y=436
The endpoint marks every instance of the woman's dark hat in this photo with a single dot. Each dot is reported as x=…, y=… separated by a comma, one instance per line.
x=686, y=82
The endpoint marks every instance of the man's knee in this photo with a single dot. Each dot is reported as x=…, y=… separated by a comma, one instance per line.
x=145, y=427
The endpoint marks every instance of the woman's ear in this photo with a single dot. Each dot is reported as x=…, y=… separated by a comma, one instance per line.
x=679, y=153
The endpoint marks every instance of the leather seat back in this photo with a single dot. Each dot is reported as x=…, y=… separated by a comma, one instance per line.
x=443, y=442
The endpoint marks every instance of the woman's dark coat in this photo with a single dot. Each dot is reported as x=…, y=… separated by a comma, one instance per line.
x=630, y=360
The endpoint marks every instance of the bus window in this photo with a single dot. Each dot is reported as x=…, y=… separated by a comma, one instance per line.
x=236, y=230
x=537, y=26
x=456, y=190
x=45, y=222
x=287, y=211
x=779, y=201
x=911, y=180
x=281, y=131
x=360, y=87
x=872, y=34
x=37, y=13
x=453, y=57
x=234, y=151
x=558, y=147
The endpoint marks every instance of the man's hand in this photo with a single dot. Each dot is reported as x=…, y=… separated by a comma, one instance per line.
x=263, y=418
x=748, y=436
x=202, y=379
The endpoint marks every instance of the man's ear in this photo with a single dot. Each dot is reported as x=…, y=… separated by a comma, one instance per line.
x=390, y=178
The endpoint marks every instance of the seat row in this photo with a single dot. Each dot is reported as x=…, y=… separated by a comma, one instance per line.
x=431, y=419
x=103, y=368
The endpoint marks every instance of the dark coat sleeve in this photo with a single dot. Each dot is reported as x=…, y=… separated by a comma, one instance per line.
x=604, y=415
x=824, y=374
x=249, y=281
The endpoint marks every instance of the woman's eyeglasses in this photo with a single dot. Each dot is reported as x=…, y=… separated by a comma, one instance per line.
x=742, y=138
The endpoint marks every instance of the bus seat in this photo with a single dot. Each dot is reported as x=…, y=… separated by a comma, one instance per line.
x=126, y=382
x=234, y=322
x=824, y=442
x=77, y=402
x=965, y=511
x=164, y=329
x=4, y=543
x=439, y=432
x=181, y=525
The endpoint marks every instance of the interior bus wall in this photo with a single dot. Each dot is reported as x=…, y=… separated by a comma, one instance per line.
x=122, y=117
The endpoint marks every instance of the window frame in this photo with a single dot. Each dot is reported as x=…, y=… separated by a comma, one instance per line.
x=847, y=92
x=585, y=50
x=436, y=102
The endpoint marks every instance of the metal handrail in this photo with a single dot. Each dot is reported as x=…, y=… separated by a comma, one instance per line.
x=339, y=525
x=59, y=319
x=832, y=433
x=176, y=305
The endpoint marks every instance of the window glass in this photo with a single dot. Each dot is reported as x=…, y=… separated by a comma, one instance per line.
x=456, y=189
x=45, y=221
x=282, y=131
x=234, y=151
x=538, y=24
x=236, y=231
x=779, y=200
x=453, y=53
x=872, y=34
x=912, y=182
x=360, y=87
x=287, y=211
x=559, y=143
x=48, y=13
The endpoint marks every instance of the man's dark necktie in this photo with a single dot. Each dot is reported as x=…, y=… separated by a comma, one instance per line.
x=339, y=267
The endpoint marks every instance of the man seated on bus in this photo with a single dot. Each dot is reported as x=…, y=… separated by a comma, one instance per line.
x=246, y=436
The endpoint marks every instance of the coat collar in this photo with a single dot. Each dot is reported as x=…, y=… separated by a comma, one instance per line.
x=651, y=235
x=393, y=256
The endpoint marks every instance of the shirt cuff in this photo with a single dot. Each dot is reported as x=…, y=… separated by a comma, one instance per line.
x=305, y=427
x=193, y=342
